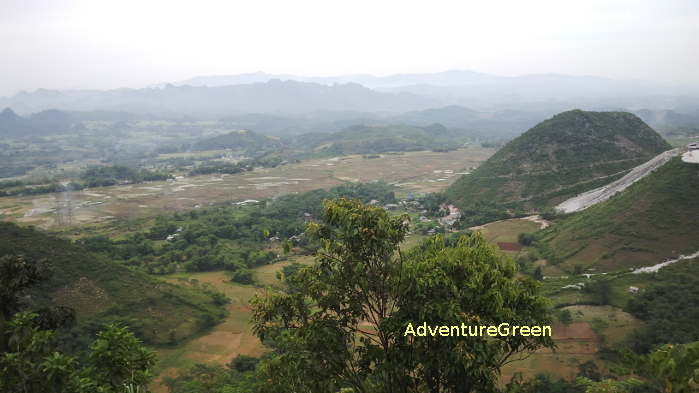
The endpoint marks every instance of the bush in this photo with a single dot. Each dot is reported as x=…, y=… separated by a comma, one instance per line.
x=243, y=363
x=243, y=276
x=525, y=239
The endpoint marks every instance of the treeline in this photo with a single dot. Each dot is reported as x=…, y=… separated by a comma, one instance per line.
x=98, y=176
x=237, y=167
x=668, y=307
x=42, y=189
x=234, y=238
x=91, y=177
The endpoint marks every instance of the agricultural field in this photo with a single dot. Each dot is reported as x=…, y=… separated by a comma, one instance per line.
x=228, y=339
x=418, y=172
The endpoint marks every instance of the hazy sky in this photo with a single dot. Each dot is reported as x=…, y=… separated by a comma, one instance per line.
x=124, y=43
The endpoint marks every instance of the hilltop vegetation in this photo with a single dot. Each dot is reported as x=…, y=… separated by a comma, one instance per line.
x=570, y=153
x=379, y=139
x=654, y=219
x=102, y=291
x=242, y=140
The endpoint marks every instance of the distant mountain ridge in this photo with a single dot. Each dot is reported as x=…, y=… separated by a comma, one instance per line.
x=46, y=122
x=444, y=78
x=225, y=95
x=488, y=91
x=572, y=152
x=275, y=96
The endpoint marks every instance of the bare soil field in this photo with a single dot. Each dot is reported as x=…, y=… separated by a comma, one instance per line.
x=419, y=172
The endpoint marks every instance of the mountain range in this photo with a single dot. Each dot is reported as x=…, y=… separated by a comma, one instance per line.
x=227, y=95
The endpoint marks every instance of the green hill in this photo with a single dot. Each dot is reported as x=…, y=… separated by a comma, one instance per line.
x=572, y=152
x=652, y=220
x=238, y=140
x=364, y=139
x=100, y=290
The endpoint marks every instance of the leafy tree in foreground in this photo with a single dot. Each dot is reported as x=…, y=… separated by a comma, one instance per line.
x=32, y=365
x=29, y=359
x=17, y=275
x=671, y=368
x=343, y=327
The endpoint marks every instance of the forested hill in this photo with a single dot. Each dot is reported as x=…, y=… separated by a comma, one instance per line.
x=46, y=122
x=362, y=139
x=652, y=220
x=238, y=140
x=571, y=152
x=101, y=291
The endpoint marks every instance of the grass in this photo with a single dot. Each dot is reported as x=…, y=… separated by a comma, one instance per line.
x=232, y=336
x=102, y=291
x=650, y=221
x=267, y=274
x=508, y=230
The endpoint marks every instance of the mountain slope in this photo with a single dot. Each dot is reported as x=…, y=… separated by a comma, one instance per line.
x=42, y=123
x=572, y=152
x=593, y=197
x=100, y=290
x=652, y=220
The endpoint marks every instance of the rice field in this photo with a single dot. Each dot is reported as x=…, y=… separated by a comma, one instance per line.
x=417, y=172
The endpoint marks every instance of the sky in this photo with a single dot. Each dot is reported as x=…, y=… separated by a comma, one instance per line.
x=104, y=44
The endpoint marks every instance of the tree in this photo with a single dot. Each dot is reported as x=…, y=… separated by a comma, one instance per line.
x=525, y=239
x=671, y=368
x=344, y=324
x=610, y=385
x=565, y=317
x=16, y=276
x=538, y=274
x=117, y=358
x=601, y=290
x=589, y=370
x=243, y=363
x=33, y=365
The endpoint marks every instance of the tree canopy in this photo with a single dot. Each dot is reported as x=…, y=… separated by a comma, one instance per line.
x=343, y=326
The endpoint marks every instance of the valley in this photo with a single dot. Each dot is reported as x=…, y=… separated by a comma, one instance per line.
x=593, y=212
x=314, y=197
x=416, y=172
